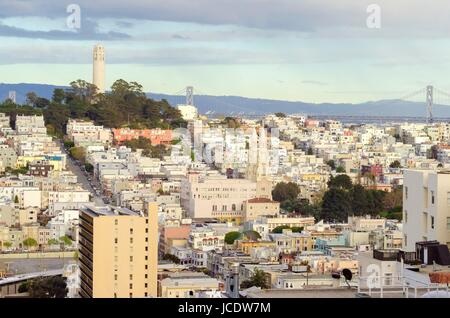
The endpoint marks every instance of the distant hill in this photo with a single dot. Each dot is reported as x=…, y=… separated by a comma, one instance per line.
x=233, y=105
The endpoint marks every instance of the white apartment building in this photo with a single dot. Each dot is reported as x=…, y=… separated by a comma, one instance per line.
x=426, y=207
x=219, y=197
x=30, y=125
x=81, y=131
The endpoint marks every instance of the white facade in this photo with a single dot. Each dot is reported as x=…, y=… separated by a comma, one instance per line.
x=426, y=207
x=99, y=68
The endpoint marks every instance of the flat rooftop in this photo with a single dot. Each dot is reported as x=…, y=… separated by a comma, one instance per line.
x=109, y=211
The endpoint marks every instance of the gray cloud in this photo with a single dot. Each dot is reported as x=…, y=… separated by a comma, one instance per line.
x=180, y=37
x=88, y=31
x=317, y=83
x=300, y=15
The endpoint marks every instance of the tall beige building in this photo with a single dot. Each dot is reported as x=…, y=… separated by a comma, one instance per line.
x=118, y=252
x=99, y=68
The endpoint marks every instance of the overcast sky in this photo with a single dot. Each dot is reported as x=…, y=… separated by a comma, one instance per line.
x=308, y=50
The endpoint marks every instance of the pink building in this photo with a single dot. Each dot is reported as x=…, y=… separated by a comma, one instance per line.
x=156, y=136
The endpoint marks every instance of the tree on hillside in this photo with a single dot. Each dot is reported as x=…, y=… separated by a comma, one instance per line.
x=285, y=191
x=393, y=199
x=279, y=229
x=331, y=164
x=230, y=237
x=336, y=205
x=395, y=164
x=340, y=169
x=341, y=181
x=31, y=98
x=359, y=203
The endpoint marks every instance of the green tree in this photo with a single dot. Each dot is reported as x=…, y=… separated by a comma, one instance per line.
x=341, y=181
x=23, y=287
x=48, y=287
x=297, y=229
x=230, y=237
x=331, y=164
x=336, y=205
x=29, y=242
x=285, y=191
x=258, y=279
x=31, y=98
x=89, y=168
x=340, y=169
x=52, y=242
x=252, y=235
x=395, y=164
x=65, y=240
x=359, y=200
x=280, y=115
x=279, y=229
x=393, y=199
x=58, y=95
x=77, y=153
x=69, y=144
x=7, y=244
x=172, y=258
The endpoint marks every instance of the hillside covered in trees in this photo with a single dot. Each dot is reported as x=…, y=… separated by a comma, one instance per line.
x=125, y=105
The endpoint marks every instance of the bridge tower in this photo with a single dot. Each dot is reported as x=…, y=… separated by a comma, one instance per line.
x=190, y=95
x=429, y=104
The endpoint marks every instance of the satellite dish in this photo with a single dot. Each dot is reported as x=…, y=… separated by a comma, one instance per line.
x=347, y=274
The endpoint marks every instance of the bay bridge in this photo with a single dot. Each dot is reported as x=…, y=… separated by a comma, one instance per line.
x=214, y=106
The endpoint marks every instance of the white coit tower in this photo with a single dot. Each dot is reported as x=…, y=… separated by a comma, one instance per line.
x=99, y=68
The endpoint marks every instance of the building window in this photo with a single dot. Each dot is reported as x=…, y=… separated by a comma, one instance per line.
x=448, y=224
x=131, y=286
x=131, y=258
x=131, y=240
x=406, y=216
x=432, y=197
x=116, y=240
x=116, y=222
x=432, y=222
x=115, y=276
x=131, y=231
x=131, y=295
x=406, y=193
x=131, y=276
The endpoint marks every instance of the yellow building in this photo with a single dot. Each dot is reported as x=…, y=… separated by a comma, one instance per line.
x=118, y=252
x=55, y=161
x=247, y=246
x=256, y=207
